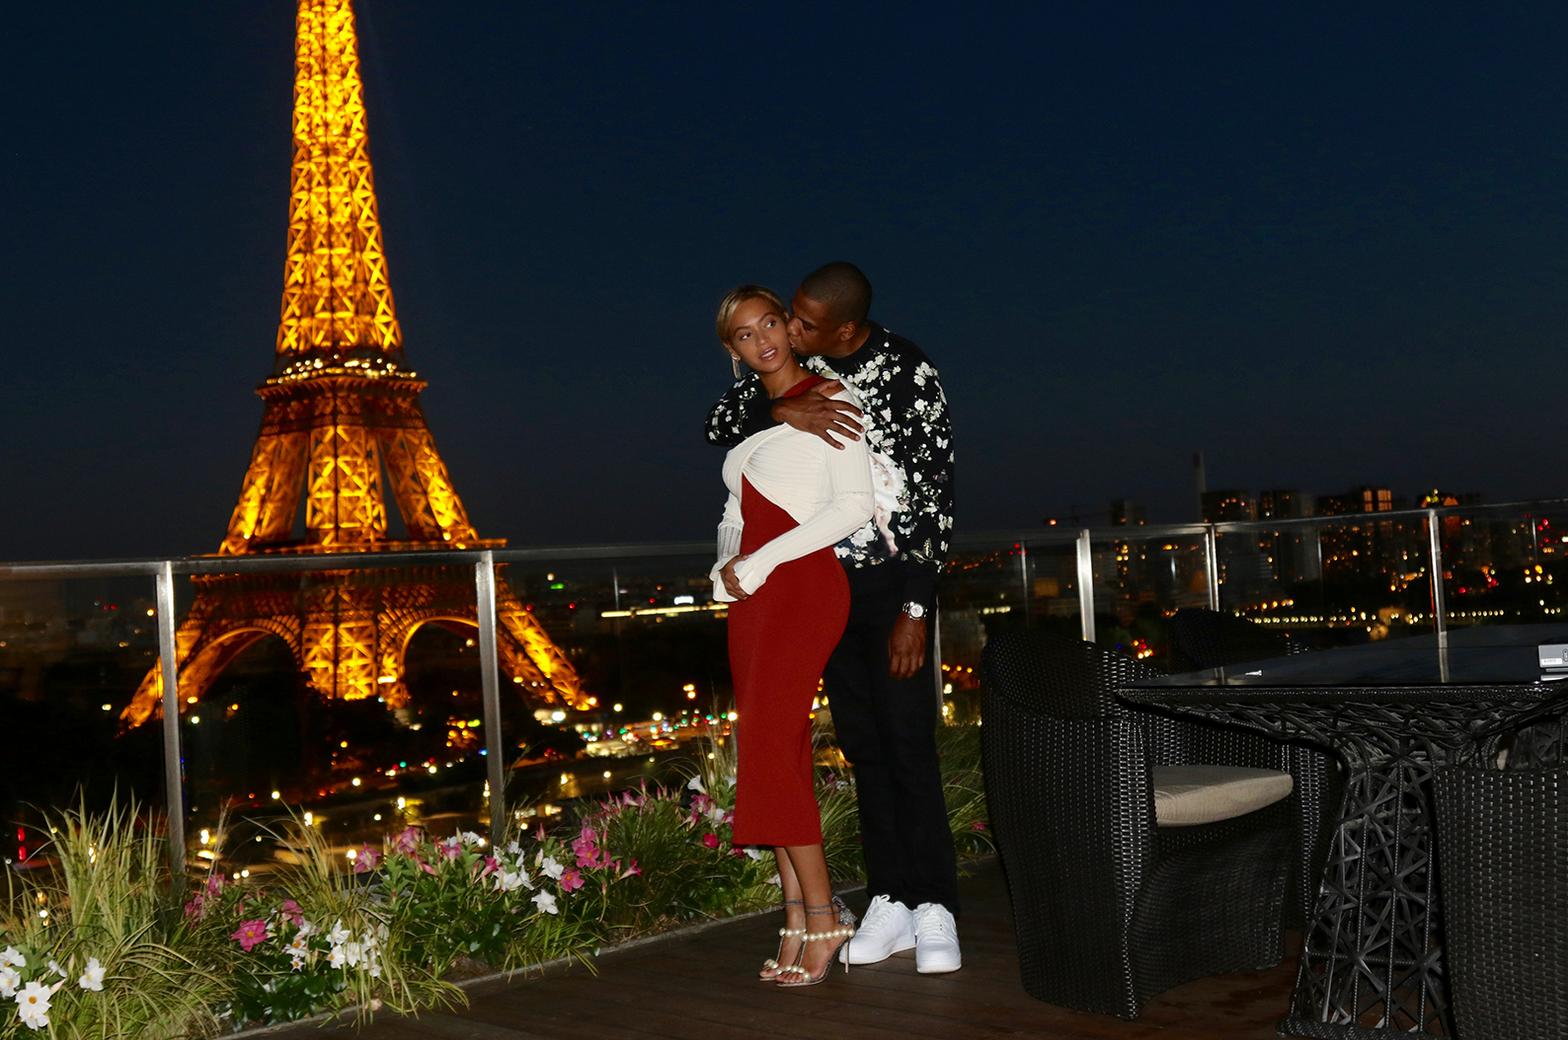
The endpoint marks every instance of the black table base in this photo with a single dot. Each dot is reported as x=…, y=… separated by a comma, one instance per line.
x=1371, y=964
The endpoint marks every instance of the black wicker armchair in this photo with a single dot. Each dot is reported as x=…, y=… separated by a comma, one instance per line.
x=1109, y=907
x=1503, y=881
x=1212, y=639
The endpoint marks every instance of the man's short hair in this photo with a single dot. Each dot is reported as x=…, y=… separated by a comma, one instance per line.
x=739, y=295
x=841, y=287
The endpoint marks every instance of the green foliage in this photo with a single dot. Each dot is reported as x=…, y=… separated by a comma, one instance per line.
x=102, y=932
x=182, y=959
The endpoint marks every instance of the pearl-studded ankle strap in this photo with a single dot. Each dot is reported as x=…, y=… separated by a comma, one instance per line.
x=842, y=932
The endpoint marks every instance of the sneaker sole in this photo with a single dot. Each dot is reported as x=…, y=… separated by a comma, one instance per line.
x=944, y=970
x=844, y=957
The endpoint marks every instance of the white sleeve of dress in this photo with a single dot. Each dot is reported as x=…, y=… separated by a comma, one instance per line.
x=729, y=544
x=849, y=482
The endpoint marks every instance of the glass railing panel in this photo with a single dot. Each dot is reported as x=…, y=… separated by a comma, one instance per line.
x=1140, y=581
x=990, y=585
x=1330, y=581
x=1501, y=565
x=650, y=647
x=71, y=654
x=346, y=699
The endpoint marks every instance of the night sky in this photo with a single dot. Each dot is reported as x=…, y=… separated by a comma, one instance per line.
x=1326, y=249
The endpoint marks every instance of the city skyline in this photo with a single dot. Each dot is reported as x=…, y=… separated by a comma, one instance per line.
x=1322, y=254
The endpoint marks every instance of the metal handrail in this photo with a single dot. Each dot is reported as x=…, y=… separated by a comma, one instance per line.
x=485, y=562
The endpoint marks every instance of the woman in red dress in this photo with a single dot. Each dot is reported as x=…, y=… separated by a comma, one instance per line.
x=791, y=498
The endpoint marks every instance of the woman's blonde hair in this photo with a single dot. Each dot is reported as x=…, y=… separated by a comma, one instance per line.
x=739, y=295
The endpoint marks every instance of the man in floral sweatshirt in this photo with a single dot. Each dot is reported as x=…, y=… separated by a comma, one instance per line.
x=880, y=680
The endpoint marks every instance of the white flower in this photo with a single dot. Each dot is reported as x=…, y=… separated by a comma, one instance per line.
x=11, y=957
x=470, y=838
x=513, y=849
x=353, y=953
x=92, y=977
x=306, y=929
x=54, y=966
x=753, y=852
x=32, y=1006
x=339, y=935
x=546, y=902
x=510, y=881
x=716, y=814
x=695, y=784
x=551, y=868
x=337, y=958
x=296, y=960
x=9, y=981
x=298, y=949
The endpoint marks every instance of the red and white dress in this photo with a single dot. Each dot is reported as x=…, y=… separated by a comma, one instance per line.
x=792, y=498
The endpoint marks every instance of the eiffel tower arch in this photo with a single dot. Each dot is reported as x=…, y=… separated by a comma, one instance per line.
x=339, y=408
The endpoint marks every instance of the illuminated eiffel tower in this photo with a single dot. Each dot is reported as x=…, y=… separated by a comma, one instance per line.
x=339, y=406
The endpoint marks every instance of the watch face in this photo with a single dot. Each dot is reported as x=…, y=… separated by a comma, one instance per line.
x=915, y=610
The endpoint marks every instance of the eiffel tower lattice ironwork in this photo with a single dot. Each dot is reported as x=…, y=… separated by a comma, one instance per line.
x=338, y=407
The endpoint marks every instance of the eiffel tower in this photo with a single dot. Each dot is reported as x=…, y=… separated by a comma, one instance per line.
x=338, y=407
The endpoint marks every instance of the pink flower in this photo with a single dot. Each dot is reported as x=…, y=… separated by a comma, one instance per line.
x=571, y=881
x=214, y=885
x=427, y=868
x=632, y=871
x=586, y=846
x=250, y=934
x=291, y=912
x=711, y=840
x=491, y=866
x=978, y=825
x=452, y=847
x=366, y=859
x=196, y=909
x=406, y=841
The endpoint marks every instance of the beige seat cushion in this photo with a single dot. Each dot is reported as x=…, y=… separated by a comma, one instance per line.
x=1185, y=796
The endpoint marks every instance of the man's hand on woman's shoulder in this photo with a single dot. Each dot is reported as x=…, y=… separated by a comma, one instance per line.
x=817, y=413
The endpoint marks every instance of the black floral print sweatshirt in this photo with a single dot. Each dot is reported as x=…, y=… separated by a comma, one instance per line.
x=910, y=437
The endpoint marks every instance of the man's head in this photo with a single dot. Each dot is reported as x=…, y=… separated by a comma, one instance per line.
x=830, y=309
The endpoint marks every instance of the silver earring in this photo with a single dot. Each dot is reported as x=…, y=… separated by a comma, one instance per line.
x=735, y=366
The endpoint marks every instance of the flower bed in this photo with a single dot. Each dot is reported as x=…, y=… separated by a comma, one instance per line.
x=107, y=946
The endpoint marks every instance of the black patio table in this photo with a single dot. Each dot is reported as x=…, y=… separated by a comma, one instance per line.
x=1372, y=962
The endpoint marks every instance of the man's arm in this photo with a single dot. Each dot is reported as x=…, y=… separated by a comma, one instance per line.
x=926, y=440
x=741, y=412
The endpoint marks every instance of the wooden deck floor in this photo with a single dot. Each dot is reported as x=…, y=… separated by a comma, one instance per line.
x=698, y=987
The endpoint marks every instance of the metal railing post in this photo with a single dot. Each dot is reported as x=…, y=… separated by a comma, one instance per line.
x=1211, y=564
x=490, y=692
x=936, y=654
x=1439, y=608
x=1023, y=577
x=169, y=674
x=1086, y=585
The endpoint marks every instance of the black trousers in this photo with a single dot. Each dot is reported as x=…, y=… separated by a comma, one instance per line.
x=887, y=730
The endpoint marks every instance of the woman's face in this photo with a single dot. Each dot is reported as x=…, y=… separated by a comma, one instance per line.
x=757, y=334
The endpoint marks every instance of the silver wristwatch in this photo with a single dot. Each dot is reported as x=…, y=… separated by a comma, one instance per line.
x=916, y=611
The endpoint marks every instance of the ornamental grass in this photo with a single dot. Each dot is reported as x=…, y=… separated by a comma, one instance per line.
x=107, y=945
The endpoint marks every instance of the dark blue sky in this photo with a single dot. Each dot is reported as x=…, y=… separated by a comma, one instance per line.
x=1325, y=248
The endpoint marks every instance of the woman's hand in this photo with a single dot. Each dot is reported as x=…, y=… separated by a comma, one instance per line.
x=732, y=583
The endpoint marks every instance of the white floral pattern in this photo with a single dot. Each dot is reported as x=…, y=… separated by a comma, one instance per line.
x=910, y=435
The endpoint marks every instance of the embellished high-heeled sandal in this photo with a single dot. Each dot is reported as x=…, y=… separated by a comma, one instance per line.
x=771, y=967
x=793, y=975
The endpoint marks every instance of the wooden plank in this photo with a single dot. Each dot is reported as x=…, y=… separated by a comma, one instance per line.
x=702, y=987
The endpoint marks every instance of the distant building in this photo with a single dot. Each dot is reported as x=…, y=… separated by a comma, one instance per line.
x=1358, y=549
x=1292, y=551
x=1127, y=513
x=1221, y=507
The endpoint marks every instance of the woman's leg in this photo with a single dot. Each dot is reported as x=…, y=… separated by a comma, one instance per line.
x=816, y=889
x=794, y=914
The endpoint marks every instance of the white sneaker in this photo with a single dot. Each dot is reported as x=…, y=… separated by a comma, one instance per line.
x=887, y=928
x=936, y=940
